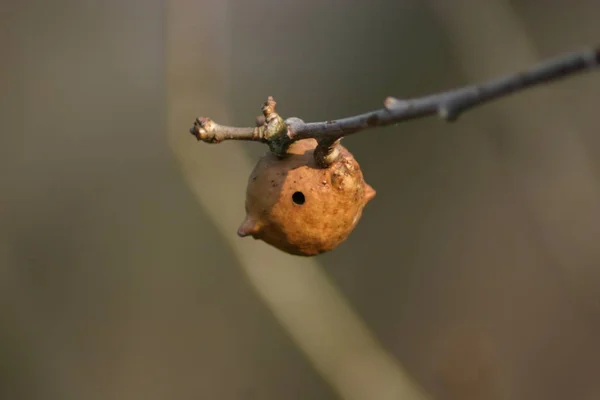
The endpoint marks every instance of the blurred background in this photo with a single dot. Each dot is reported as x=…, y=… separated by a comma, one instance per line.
x=474, y=270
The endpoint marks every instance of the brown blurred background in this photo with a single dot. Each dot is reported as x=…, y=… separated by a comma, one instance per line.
x=476, y=266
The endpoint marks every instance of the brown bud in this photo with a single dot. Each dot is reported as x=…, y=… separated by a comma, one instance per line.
x=302, y=209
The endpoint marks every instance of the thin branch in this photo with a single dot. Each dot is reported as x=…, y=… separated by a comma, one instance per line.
x=209, y=131
x=279, y=134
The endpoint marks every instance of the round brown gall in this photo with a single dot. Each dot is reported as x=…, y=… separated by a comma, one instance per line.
x=300, y=208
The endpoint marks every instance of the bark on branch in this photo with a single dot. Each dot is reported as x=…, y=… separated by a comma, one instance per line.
x=279, y=133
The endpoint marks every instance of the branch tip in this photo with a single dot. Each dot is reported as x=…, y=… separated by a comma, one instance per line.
x=394, y=104
x=389, y=102
x=269, y=109
x=201, y=127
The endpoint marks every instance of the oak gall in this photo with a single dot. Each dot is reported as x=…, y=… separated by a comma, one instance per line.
x=301, y=208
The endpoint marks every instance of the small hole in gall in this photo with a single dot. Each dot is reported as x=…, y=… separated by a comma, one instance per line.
x=298, y=198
